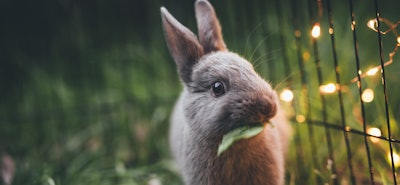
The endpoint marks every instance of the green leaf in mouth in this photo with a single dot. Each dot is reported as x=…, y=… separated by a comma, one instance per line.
x=237, y=134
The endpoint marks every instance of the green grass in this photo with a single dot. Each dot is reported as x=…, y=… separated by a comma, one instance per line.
x=87, y=88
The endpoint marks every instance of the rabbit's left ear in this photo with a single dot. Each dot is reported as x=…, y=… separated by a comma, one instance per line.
x=182, y=44
x=209, y=29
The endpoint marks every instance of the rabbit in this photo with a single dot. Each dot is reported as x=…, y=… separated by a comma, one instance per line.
x=221, y=92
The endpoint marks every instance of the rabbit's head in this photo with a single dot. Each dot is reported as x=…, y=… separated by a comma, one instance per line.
x=221, y=89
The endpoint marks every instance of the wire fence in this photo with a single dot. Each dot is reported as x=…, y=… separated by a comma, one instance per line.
x=315, y=10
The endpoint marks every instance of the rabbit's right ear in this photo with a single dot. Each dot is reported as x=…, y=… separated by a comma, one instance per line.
x=210, y=34
x=182, y=44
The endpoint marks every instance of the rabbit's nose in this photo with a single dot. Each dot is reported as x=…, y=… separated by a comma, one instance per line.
x=268, y=108
x=264, y=109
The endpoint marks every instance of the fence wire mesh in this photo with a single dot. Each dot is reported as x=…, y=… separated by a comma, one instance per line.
x=316, y=11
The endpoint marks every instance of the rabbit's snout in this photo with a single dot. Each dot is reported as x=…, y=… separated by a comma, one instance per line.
x=266, y=109
x=258, y=109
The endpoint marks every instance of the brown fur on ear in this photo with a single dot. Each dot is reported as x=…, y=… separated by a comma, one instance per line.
x=210, y=34
x=182, y=44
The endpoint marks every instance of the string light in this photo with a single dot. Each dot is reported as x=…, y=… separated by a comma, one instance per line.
x=367, y=96
x=328, y=88
x=330, y=31
x=396, y=159
x=286, y=95
x=373, y=24
x=372, y=71
x=297, y=33
x=353, y=24
x=316, y=30
x=300, y=118
x=374, y=132
x=306, y=56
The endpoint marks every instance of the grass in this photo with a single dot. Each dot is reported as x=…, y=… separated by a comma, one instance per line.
x=87, y=89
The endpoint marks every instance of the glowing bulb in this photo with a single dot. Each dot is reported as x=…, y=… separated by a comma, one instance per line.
x=353, y=24
x=367, y=96
x=300, y=118
x=398, y=40
x=396, y=159
x=328, y=88
x=374, y=132
x=286, y=95
x=316, y=31
x=372, y=71
x=372, y=24
x=331, y=31
x=297, y=33
x=306, y=55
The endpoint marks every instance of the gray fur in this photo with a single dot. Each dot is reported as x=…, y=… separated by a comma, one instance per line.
x=200, y=120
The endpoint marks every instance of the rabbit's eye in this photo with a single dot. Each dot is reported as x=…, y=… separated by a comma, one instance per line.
x=218, y=89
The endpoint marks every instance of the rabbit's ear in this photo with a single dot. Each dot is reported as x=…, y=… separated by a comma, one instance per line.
x=210, y=34
x=182, y=44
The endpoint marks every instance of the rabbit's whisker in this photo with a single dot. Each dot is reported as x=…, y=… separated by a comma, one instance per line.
x=259, y=45
x=250, y=35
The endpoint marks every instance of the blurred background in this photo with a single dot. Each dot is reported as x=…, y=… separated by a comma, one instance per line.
x=87, y=87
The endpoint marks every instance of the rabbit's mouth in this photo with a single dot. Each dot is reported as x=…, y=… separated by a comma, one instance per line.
x=251, y=124
x=256, y=120
x=263, y=117
x=264, y=123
